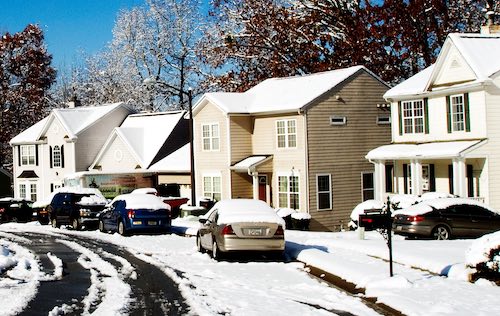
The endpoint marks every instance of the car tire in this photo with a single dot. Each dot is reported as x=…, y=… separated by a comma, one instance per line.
x=216, y=253
x=14, y=219
x=101, y=227
x=121, y=228
x=75, y=224
x=198, y=244
x=54, y=223
x=441, y=233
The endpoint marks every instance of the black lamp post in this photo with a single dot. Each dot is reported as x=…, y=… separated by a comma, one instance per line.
x=189, y=93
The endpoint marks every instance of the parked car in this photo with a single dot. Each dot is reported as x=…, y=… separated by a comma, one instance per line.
x=446, y=218
x=76, y=207
x=129, y=213
x=15, y=210
x=241, y=225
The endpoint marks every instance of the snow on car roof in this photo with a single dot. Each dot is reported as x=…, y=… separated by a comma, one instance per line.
x=245, y=210
x=142, y=201
x=440, y=203
x=144, y=191
x=95, y=198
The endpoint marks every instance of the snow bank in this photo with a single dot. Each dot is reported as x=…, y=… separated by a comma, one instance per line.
x=366, y=205
x=479, y=250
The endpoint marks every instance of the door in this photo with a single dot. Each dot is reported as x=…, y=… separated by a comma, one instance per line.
x=208, y=229
x=263, y=188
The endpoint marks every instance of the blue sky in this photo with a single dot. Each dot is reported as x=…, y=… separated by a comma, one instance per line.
x=68, y=25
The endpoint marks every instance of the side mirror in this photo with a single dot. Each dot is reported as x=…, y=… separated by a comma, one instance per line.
x=203, y=220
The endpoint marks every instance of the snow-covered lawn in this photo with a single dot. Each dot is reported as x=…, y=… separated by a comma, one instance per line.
x=438, y=287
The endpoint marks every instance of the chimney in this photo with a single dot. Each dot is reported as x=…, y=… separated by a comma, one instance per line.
x=73, y=102
x=490, y=27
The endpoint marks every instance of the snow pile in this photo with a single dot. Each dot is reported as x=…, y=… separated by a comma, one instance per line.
x=301, y=216
x=366, y=205
x=479, y=251
x=435, y=195
x=284, y=212
x=142, y=201
x=404, y=200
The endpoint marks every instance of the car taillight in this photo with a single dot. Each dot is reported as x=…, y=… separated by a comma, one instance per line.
x=279, y=231
x=131, y=214
x=227, y=230
x=417, y=218
x=367, y=220
x=2, y=210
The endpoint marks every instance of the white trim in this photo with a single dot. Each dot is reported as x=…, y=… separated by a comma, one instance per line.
x=28, y=155
x=412, y=117
x=362, y=182
x=210, y=136
x=338, y=120
x=452, y=113
x=288, y=192
x=286, y=134
x=330, y=192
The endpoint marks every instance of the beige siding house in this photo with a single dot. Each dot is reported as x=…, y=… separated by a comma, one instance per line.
x=446, y=125
x=296, y=142
x=64, y=142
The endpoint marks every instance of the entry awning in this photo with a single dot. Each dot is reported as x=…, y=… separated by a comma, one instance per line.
x=250, y=163
x=27, y=174
x=436, y=150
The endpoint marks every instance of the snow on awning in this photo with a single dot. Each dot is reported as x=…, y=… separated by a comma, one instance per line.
x=250, y=163
x=436, y=150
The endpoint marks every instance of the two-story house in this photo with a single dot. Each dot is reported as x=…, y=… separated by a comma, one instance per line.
x=296, y=142
x=446, y=125
x=64, y=142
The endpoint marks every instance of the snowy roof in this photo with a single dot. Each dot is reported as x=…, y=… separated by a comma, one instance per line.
x=250, y=162
x=178, y=161
x=479, y=51
x=142, y=201
x=427, y=150
x=281, y=94
x=144, y=134
x=245, y=210
x=74, y=120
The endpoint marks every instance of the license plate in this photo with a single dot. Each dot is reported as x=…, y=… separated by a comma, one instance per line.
x=137, y=222
x=253, y=232
x=152, y=223
x=399, y=227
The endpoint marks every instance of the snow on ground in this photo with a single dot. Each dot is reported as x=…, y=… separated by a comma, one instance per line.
x=438, y=287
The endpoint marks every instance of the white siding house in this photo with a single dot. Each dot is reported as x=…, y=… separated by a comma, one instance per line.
x=64, y=142
x=446, y=125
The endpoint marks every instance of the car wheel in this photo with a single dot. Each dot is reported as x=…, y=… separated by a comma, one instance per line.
x=441, y=233
x=198, y=244
x=54, y=223
x=75, y=224
x=121, y=229
x=14, y=219
x=216, y=253
x=101, y=227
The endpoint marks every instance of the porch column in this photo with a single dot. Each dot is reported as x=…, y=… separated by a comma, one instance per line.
x=255, y=184
x=416, y=177
x=459, y=177
x=379, y=180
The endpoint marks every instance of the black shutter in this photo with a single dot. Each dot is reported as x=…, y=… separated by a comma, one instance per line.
x=466, y=112
x=36, y=155
x=448, y=113
x=400, y=113
x=405, y=178
x=450, y=178
x=432, y=178
x=19, y=155
x=51, y=187
x=389, y=175
x=426, y=115
x=470, y=181
x=62, y=156
x=50, y=156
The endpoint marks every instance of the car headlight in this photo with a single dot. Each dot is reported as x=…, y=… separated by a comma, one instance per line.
x=85, y=212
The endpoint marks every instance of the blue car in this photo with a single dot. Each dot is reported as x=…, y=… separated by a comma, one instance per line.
x=130, y=213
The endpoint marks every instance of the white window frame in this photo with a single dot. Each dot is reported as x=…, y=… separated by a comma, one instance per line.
x=22, y=190
x=338, y=120
x=57, y=157
x=363, y=184
x=384, y=119
x=287, y=192
x=212, y=192
x=28, y=155
x=210, y=141
x=457, y=117
x=33, y=191
x=411, y=118
x=329, y=192
x=28, y=190
x=289, y=137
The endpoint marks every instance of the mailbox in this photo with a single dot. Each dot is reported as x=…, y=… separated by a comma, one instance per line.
x=375, y=219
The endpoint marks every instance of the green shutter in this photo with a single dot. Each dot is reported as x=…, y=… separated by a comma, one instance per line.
x=400, y=118
x=426, y=115
x=466, y=112
x=448, y=112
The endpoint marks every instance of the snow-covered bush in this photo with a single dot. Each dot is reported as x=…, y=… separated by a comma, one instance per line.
x=483, y=257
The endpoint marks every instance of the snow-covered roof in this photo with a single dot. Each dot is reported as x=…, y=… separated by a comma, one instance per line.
x=250, y=162
x=144, y=134
x=142, y=201
x=426, y=150
x=178, y=161
x=245, y=210
x=479, y=51
x=74, y=120
x=281, y=94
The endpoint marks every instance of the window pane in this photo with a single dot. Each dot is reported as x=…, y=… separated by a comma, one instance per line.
x=22, y=191
x=215, y=144
x=207, y=184
x=323, y=183
x=324, y=201
x=206, y=144
x=292, y=140
x=206, y=131
x=294, y=201
x=217, y=184
x=282, y=184
x=283, y=200
x=281, y=141
x=294, y=184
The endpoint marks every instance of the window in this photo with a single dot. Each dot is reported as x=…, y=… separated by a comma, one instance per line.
x=383, y=119
x=28, y=155
x=56, y=157
x=457, y=113
x=210, y=137
x=22, y=191
x=324, y=192
x=338, y=120
x=212, y=187
x=288, y=192
x=286, y=132
x=413, y=117
x=367, y=186
x=33, y=192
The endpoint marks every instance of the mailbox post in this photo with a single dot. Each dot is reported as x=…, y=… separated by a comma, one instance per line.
x=382, y=222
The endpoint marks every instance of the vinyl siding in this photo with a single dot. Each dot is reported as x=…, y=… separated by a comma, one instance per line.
x=242, y=186
x=340, y=150
x=118, y=158
x=241, y=137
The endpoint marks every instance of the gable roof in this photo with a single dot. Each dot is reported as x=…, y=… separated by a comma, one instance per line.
x=74, y=120
x=281, y=94
x=146, y=134
x=479, y=51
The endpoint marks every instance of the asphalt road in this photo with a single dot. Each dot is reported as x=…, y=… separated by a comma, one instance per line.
x=153, y=292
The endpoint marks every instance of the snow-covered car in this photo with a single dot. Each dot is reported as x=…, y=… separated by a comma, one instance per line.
x=15, y=210
x=445, y=218
x=241, y=225
x=129, y=213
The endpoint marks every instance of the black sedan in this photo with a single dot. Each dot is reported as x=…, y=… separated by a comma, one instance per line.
x=446, y=218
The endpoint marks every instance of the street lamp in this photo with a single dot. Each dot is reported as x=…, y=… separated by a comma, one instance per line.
x=189, y=93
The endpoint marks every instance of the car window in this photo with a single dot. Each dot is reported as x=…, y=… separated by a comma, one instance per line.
x=479, y=211
x=213, y=217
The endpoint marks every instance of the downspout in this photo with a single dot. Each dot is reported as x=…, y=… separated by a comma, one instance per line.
x=306, y=159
